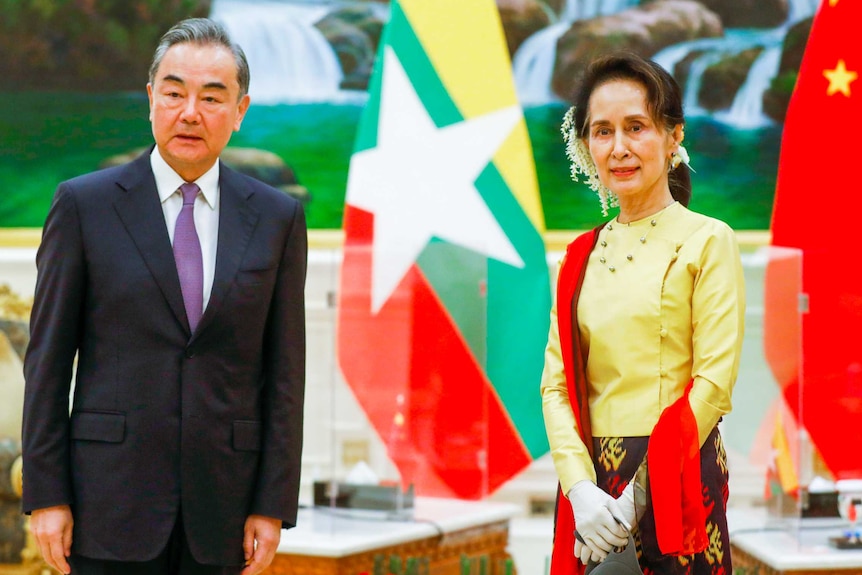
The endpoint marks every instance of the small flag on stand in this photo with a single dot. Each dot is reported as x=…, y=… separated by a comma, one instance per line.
x=444, y=297
x=781, y=471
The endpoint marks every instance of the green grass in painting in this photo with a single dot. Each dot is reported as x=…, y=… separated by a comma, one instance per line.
x=51, y=137
x=316, y=140
x=734, y=179
x=55, y=136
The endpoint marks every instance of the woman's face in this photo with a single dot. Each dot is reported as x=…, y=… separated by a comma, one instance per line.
x=631, y=152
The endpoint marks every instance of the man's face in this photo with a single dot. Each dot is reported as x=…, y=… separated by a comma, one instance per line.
x=195, y=106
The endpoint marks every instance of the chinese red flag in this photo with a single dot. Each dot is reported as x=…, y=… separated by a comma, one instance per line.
x=817, y=203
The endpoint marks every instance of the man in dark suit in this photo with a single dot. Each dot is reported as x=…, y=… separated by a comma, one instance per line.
x=179, y=284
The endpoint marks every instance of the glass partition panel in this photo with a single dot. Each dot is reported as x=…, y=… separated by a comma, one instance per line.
x=830, y=396
x=814, y=471
x=782, y=305
x=411, y=353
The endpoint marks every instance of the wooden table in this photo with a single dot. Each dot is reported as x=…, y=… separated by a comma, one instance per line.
x=445, y=531
x=771, y=546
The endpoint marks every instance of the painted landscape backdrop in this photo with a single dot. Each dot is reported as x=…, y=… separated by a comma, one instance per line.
x=73, y=76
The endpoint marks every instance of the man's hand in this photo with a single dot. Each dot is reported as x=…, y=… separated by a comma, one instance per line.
x=52, y=529
x=260, y=543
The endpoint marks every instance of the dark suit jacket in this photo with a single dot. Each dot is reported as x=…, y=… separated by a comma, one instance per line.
x=163, y=419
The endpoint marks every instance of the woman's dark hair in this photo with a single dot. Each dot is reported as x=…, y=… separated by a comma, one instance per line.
x=664, y=102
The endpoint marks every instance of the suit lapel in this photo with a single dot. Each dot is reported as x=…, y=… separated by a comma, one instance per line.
x=142, y=215
x=237, y=220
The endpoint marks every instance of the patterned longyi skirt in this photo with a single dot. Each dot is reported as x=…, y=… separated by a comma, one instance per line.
x=617, y=459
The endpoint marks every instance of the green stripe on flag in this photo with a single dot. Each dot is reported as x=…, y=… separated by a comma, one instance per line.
x=519, y=301
x=399, y=35
x=515, y=310
x=460, y=277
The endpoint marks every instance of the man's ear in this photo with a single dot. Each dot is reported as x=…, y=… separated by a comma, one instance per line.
x=243, y=108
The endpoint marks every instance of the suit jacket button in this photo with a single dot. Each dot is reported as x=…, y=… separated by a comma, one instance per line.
x=190, y=353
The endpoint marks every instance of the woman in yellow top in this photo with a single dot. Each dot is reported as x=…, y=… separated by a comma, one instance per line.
x=645, y=339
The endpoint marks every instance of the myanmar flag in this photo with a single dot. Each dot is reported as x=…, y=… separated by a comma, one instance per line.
x=445, y=294
x=817, y=202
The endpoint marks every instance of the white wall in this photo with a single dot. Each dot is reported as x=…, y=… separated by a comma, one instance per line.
x=337, y=434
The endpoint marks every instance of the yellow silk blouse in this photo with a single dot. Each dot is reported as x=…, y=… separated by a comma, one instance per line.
x=671, y=310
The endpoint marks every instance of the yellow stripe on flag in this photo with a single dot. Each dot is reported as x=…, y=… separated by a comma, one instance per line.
x=461, y=37
x=783, y=459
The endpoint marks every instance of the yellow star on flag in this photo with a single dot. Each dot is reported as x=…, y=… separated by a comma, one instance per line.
x=839, y=79
x=833, y=2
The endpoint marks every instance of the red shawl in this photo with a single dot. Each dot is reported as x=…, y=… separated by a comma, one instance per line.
x=673, y=452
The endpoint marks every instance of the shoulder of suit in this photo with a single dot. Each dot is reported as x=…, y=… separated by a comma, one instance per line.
x=263, y=192
x=112, y=177
x=110, y=174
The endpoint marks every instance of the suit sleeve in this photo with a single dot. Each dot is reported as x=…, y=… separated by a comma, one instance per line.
x=277, y=490
x=55, y=326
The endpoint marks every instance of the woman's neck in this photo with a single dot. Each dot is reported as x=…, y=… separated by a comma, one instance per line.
x=634, y=209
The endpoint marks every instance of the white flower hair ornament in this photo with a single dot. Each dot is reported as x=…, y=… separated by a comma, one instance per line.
x=582, y=163
x=680, y=157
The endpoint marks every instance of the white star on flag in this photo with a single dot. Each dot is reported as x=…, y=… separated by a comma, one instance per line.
x=419, y=182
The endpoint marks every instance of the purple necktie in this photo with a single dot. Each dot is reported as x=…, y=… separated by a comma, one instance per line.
x=187, y=253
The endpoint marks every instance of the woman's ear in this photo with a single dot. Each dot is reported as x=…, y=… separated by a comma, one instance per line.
x=678, y=135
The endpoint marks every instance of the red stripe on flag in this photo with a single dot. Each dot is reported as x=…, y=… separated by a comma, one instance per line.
x=417, y=381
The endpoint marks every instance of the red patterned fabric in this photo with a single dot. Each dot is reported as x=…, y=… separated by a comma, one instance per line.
x=571, y=276
x=673, y=459
x=617, y=459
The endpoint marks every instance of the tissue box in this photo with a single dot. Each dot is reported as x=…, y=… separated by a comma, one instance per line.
x=386, y=500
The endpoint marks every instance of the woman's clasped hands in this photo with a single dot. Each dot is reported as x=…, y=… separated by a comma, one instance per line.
x=599, y=521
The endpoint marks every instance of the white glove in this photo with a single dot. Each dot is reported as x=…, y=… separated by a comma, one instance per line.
x=594, y=512
x=585, y=553
x=629, y=513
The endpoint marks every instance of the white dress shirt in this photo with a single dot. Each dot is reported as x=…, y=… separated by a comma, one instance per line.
x=206, y=212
